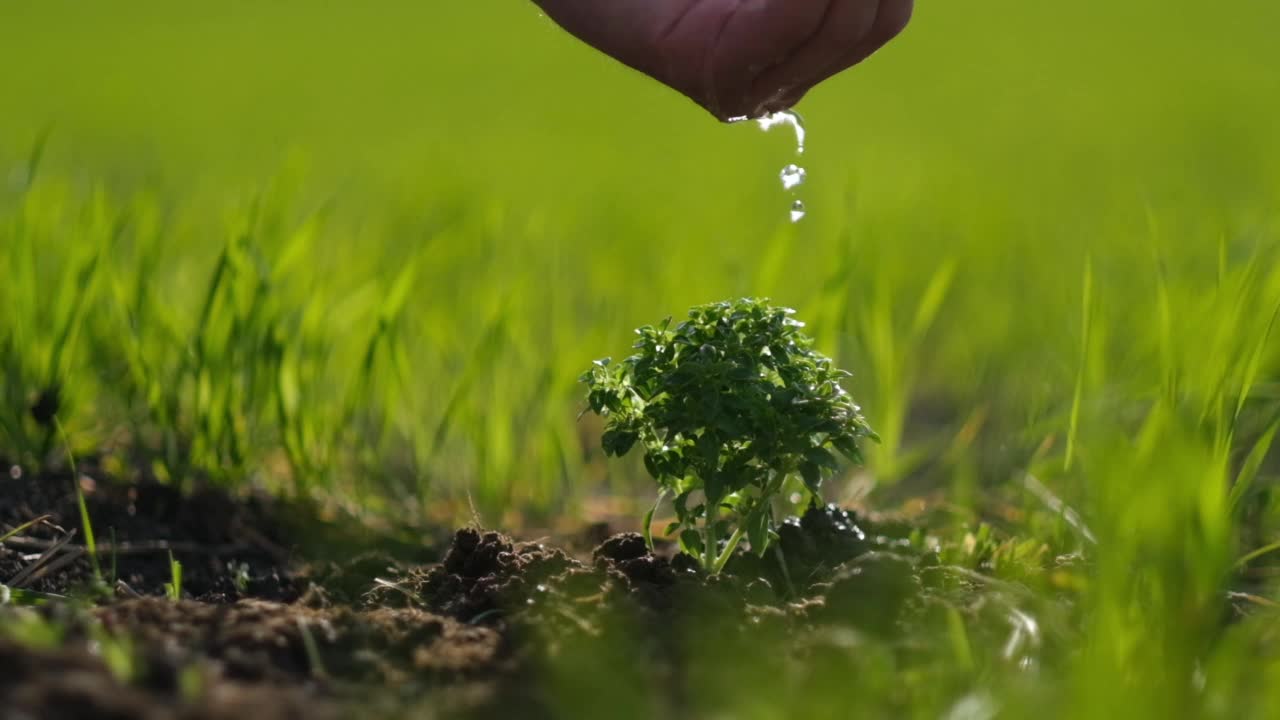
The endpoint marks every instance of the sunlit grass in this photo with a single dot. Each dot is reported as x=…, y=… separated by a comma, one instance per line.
x=1046, y=244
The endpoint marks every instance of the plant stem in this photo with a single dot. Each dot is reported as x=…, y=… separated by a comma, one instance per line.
x=709, y=546
x=709, y=531
x=723, y=560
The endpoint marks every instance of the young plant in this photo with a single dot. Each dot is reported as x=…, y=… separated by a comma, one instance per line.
x=727, y=405
x=173, y=588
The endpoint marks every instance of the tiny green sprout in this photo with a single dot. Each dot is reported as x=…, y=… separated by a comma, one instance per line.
x=727, y=406
x=173, y=588
x=240, y=576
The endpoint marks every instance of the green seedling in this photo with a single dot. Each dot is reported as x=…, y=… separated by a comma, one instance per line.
x=727, y=406
x=173, y=588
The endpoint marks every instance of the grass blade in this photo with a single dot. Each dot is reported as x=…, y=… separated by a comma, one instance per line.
x=1077, y=398
x=24, y=526
x=1252, y=466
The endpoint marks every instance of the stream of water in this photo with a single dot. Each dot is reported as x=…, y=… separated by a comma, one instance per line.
x=793, y=175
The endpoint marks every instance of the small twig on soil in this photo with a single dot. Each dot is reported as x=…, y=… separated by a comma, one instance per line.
x=123, y=590
x=64, y=560
x=137, y=548
x=51, y=548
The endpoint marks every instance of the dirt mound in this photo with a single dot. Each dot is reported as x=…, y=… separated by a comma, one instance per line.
x=485, y=575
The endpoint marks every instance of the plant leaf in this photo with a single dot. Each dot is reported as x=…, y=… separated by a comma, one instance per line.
x=1252, y=465
x=822, y=457
x=691, y=542
x=812, y=476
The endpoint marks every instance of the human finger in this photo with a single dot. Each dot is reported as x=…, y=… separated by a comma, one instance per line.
x=845, y=25
x=758, y=36
x=892, y=18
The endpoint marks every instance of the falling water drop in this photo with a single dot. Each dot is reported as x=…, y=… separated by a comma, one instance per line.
x=792, y=176
x=785, y=117
x=797, y=211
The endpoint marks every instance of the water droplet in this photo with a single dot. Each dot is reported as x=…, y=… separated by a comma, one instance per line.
x=785, y=117
x=795, y=498
x=797, y=211
x=792, y=176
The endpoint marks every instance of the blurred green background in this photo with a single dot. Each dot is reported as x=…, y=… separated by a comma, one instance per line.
x=1027, y=224
x=364, y=250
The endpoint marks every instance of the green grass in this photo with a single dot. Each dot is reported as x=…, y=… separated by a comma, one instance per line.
x=365, y=251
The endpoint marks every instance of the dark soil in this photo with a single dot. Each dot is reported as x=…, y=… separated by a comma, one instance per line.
x=493, y=625
x=230, y=547
x=72, y=682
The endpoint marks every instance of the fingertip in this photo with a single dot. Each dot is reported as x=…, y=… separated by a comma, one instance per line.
x=845, y=24
x=757, y=37
x=787, y=100
x=893, y=18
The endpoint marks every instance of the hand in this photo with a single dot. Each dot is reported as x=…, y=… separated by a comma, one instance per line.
x=736, y=58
